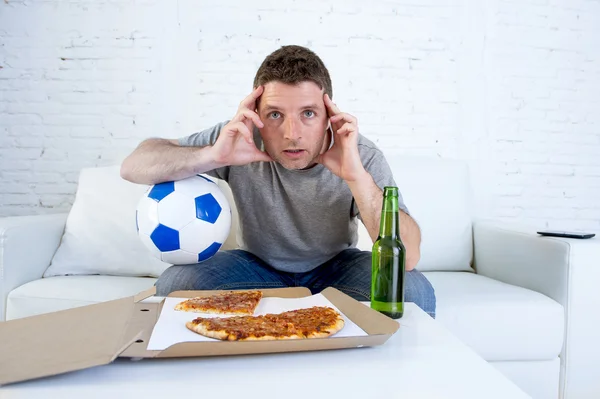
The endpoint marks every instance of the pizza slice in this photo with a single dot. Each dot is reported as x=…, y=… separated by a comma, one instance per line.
x=227, y=303
x=315, y=322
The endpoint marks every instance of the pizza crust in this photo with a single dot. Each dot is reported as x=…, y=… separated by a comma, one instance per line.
x=202, y=330
x=334, y=329
x=182, y=307
x=270, y=338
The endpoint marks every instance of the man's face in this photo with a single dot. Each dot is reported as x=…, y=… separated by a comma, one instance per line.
x=295, y=122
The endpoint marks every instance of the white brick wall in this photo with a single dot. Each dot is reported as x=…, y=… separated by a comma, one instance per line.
x=510, y=86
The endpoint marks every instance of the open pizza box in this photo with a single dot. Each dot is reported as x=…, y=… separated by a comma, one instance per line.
x=95, y=335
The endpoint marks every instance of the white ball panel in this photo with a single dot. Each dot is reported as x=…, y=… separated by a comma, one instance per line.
x=196, y=236
x=179, y=257
x=199, y=235
x=147, y=215
x=176, y=210
x=193, y=186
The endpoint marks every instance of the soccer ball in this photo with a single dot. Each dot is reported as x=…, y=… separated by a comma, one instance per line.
x=185, y=221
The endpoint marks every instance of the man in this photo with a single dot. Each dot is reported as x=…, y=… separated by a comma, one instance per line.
x=300, y=174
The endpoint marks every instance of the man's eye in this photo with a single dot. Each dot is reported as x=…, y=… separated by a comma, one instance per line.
x=274, y=115
x=309, y=114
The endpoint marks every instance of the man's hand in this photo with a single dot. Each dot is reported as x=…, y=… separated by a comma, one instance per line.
x=235, y=144
x=342, y=159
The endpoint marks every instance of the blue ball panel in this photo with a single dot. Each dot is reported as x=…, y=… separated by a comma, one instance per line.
x=161, y=190
x=165, y=238
x=207, y=208
x=210, y=251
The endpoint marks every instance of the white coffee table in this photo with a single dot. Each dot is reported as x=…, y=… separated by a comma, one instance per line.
x=422, y=360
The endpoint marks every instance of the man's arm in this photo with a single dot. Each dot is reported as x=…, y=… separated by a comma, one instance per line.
x=343, y=160
x=158, y=160
x=369, y=198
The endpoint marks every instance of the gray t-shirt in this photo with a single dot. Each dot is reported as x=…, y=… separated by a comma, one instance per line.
x=295, y=220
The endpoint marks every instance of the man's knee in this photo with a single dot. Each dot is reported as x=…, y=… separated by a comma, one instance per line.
x=176, y=278
x=420, y=291
x=349, y=272
x=200, y=276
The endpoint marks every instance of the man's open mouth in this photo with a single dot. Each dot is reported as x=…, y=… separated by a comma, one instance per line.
x=294, y=153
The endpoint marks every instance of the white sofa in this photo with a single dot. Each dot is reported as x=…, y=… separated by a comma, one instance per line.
x=523, y=302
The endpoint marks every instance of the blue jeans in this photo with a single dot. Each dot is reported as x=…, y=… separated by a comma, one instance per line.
x=349, y=272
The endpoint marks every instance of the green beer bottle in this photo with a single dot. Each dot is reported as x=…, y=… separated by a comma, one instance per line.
x=388, y=258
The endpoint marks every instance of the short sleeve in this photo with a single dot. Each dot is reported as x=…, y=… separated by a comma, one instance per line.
x=205, y=138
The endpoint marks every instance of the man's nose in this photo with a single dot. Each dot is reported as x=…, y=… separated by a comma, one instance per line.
x=292, y=129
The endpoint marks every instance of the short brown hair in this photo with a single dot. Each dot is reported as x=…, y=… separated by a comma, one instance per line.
x=292, y=65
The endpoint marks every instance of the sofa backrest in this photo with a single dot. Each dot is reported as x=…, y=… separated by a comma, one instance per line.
x=100, y=235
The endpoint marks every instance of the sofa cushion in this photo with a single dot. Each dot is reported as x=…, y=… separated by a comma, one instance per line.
x=100, y=234
x=58, y=293
x=499, y=321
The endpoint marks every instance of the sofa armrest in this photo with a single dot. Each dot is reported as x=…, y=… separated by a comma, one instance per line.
x=519, y=256
x=564, y=269
x=27, y=244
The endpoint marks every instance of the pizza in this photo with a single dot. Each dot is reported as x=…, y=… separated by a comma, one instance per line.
x=315, y=322
x=228, y=303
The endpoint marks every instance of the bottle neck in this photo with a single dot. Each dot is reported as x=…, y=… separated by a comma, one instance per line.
x=390, y=223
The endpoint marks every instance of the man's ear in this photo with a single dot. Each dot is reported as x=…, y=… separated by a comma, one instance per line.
x=325, y=105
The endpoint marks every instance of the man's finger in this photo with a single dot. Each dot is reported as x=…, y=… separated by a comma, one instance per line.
x=331, y=107
x=247, y=114
x=343, y=116
x=347, y=128
x=244, y=131
x=250, y=101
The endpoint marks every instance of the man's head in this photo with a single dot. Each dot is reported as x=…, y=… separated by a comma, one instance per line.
x=292, y=107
